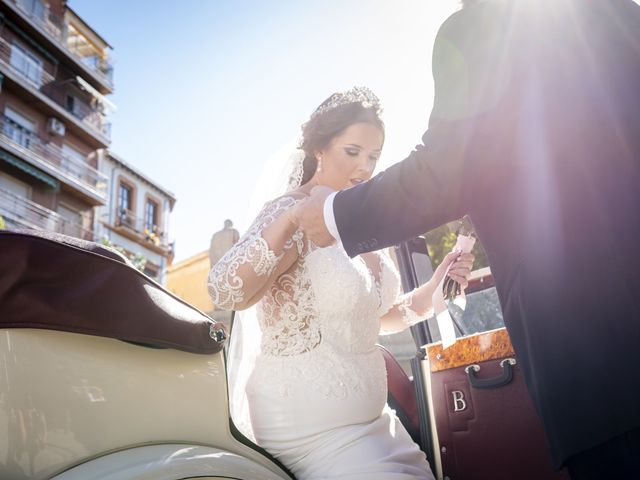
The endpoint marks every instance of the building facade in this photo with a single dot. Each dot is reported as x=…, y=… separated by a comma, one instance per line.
x=56, y=172
x=136, y=216
x=55, y=74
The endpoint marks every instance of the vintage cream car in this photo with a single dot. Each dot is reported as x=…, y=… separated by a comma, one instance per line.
x=106, y=375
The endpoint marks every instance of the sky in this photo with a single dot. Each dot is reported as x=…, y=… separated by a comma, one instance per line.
x=207, y=90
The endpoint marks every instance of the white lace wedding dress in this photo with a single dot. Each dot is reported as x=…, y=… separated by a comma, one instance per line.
x=317, y=394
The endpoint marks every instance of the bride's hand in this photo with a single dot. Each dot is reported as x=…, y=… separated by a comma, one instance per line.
x=461, y=264
x=309, y=216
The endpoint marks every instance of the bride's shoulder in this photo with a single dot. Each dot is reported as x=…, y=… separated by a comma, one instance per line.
x=280, y=204
x=287, y=200
x=293, y=195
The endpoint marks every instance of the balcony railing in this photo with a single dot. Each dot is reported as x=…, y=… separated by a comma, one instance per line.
x=23, y=65
x=51, y=157
x=101, y=67
x=150, y=233
x=15, y=60
x=20, y=212
x=91, y=117
x=40, y=14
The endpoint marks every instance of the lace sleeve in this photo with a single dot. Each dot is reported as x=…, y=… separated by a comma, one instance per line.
x=247, y=268
x=396, y=311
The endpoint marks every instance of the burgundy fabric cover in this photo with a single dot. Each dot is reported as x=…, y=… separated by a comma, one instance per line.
x=51, y=281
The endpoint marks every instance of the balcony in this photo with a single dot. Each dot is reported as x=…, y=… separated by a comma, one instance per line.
x=50, y=158
x=65, y=37
x=90, y=116
x=23, y=66
x=137, y=229
x=40, y=14
x=86, y=54
x=20, y=212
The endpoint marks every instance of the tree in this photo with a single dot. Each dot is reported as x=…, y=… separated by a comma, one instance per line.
x=441, y=241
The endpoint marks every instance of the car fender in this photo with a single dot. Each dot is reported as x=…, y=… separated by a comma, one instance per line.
x=169, y=462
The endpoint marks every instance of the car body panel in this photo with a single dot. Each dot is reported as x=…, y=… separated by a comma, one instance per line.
x=169, y=462
x=68, y=398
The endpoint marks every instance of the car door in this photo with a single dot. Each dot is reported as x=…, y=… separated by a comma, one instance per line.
x=476, y=418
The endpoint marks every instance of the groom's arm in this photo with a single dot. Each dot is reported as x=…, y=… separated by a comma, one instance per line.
x=419, y=193
x=429, y=187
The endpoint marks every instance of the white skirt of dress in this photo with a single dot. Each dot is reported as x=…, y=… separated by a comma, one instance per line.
x=379, y=450
x=324, y=416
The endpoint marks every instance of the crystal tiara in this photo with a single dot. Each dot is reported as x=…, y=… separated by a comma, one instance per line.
x=361, y=95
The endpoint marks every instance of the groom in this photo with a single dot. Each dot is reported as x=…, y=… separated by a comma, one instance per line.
x=535, y=133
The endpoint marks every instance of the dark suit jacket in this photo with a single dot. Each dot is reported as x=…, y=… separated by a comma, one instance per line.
x=535, y=133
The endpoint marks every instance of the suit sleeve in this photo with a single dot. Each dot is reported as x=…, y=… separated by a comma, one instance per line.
x=417, y=194
x=427, y=188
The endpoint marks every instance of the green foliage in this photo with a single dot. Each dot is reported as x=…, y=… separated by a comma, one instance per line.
x=138, y=260
x=2, y=224
x=441, y=241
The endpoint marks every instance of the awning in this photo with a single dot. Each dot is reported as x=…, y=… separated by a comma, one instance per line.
x=31, y=170
x=96, y=94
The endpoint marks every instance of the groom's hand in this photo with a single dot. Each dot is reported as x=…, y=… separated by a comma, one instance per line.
x=309, y=215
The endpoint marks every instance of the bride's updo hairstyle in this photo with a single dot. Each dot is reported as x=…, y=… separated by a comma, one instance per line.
x=334, y=116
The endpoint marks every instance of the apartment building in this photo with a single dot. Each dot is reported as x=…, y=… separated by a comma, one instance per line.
x=55, y=74
x=136, y=215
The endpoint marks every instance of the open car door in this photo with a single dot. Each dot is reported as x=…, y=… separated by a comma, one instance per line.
x=476, y=418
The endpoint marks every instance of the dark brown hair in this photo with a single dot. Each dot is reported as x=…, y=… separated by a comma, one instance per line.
x=318, y=132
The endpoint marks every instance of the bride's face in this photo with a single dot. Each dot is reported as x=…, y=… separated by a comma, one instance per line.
x=351, y=157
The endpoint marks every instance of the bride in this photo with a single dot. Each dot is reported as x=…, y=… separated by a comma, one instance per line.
x=316, y=389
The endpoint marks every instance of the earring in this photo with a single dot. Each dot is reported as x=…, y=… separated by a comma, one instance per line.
x=319, y=169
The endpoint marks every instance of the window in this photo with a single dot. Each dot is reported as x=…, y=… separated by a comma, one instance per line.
x=27, y=64
x=416, y=260
x=151, y=215
x=18, y=128
x=14, y=186
x=126, y=205
x=151, y=231
x=74, y=106
x=33, y=7
x=483, y=311
x=125, y=198
x=80, y=104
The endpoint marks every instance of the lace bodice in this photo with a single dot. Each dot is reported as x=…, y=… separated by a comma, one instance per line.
x=323, y=296
x=350, y=298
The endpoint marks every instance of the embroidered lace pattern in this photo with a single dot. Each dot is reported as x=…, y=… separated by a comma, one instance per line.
x=286, y=311
x=225, y=285
x=391, y=296
x=319, y=320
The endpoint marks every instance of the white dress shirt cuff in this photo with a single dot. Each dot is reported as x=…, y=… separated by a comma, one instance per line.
x=329, y=218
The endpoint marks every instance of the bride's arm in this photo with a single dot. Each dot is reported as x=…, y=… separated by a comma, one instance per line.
x=268, y=249
x=413, y=307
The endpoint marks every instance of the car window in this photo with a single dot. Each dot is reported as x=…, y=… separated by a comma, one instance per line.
x=481, y=310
